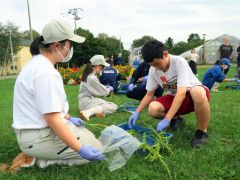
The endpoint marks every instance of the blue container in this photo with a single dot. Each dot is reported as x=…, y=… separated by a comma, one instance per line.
x=141, y=130
x=122, y=92
x=124, y=86
x=131, y=109
x=129, y=106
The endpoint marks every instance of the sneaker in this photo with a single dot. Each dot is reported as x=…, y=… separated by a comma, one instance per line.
x=83, y=116
x=22, y=160
x=100, y=115
x=199, y=139
x=176, y=123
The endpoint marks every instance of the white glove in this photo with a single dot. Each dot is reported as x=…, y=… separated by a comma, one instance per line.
x=144, y=79
x=130, y=87
x=110, y=88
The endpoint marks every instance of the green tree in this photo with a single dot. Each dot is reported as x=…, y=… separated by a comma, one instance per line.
x=169, y=43
x=26, y=34
x=179, y=48
x=194, y=41
x=125, y=55
x=5, y=32
x=109, y=45
x=193, y=37
x=141, y=41
x=83, y=52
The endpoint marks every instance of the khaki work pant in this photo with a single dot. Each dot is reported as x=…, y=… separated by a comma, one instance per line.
x=45, y=144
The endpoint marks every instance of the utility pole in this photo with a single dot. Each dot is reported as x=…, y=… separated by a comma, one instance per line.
x=11, y=47
x=29, y=19
x=120, y=45
x=75, y=12
x=203, y=55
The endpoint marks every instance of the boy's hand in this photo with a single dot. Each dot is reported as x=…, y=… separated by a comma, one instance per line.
x=163, y=124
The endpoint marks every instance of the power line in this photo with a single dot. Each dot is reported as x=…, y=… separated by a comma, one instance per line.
x=199, y=9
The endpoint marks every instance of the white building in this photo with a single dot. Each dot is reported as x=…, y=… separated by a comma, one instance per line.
x=211, y=49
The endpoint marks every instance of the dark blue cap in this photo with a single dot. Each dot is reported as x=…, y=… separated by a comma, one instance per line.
x=225, y=61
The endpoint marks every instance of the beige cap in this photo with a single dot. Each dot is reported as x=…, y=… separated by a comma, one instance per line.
x=99, y=60
x=59, y=30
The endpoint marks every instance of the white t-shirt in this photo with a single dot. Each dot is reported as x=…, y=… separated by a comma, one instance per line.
x=178, y=75
x=38, y=90
x=194, y=57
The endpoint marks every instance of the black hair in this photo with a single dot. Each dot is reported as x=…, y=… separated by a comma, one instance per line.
x=88, y=70
x=35, y=46
x=38, y=45
x=151, y=50
x=109, y=61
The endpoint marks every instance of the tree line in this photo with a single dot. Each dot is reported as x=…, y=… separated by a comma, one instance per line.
x=180, y=47
x=102, y=44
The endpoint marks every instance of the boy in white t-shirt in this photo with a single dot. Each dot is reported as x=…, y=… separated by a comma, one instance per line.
x=185, y=93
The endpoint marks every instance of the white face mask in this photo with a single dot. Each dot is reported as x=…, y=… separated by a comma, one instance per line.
x=68, y=56
x=225, y=67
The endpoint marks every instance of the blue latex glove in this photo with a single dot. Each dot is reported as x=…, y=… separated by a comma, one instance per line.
x=90, y=153
x=163, y=124
x=132, y=119
x=130, y=87
x=77, y=121
x=144, y=79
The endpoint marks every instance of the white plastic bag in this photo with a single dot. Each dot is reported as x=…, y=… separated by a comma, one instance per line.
x=118, y=146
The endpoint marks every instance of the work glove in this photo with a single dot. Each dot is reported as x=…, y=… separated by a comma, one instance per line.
x=90, y=153
x=144, y=79
x=132, y=119
x=77, y=121
x=163, y=124
x=110, y=88
x=131, y=86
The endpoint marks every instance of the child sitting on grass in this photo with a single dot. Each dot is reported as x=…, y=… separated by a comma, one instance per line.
x=91, y=87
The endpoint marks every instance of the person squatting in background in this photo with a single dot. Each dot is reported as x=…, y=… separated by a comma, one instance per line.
x=136, y=62
x=137, y=85
x=90, y=87
x=216, y=74
x=110, y=76
x=119, y=60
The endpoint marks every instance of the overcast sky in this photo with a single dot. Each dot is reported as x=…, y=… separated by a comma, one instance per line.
x=132, y=19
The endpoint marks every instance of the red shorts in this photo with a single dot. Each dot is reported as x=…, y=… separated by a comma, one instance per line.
x=187, y=105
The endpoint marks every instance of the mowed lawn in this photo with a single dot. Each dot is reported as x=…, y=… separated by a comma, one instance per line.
x=220, y=159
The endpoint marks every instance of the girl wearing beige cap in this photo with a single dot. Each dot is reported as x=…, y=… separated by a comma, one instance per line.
x=91, y=87
x=46, y=134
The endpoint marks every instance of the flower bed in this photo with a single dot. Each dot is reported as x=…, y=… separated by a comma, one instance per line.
x=72, y=76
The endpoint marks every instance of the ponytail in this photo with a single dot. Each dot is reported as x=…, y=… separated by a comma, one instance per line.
x=35, y=45
x=88, y=70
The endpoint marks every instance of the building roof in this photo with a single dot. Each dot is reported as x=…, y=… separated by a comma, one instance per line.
x=25, y=42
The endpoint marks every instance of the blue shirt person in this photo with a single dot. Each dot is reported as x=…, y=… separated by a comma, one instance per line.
x=136, y=62
x=110, y=77
x=215, y=74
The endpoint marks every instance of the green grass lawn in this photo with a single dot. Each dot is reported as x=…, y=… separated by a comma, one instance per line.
x=220, y=159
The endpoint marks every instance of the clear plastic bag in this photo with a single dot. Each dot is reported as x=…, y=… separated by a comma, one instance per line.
x=118, y=146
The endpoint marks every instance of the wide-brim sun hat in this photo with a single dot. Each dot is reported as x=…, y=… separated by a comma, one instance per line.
x=99, y=60
x=59, y=30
